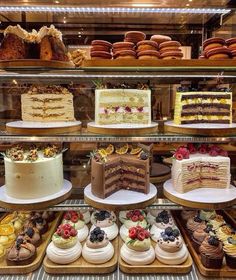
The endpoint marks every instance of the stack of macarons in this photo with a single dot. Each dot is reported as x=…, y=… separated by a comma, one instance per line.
x=123, y=50
x=134, y=36
x=217, y=48
x=147, y=49
x=231, y=44
x=100, y=49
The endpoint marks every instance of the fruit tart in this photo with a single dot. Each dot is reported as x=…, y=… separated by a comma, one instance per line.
x=7, y=235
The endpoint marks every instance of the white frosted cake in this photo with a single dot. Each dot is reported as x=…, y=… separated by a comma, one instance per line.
x=200, y=170
x=33, y=173
x=47, y=104
x=121, y=106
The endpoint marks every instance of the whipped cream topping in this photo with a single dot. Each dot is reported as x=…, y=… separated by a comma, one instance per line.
x=48, y=31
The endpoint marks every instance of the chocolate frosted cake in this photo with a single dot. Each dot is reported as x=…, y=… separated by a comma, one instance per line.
x=112, y=171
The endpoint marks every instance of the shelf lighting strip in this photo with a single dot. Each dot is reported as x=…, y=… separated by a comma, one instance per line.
x=112, y=10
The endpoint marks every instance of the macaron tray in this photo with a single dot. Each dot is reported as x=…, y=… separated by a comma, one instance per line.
x=40, y=251
x=224, y=271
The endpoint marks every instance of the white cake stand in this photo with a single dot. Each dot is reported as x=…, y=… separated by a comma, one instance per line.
x=12, y=203
x=122, y=199
x=204, y=198
x=42, y=128
x=122, y=129
x=209, y=129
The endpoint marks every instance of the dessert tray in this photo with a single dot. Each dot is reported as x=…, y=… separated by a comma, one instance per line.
x=156, y=266
x=205, y=198
x=32, y=204
x=42, y=128
x=35, y=63
x=223, y=272
x=133, y=200
x=201, y=129
x=23, y=269
x=122, y=129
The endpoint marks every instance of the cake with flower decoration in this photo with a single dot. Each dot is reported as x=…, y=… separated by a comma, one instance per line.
x=121, y=167
x=65, y=246
x=137, y=249
x=203, y=166
x=32, y=173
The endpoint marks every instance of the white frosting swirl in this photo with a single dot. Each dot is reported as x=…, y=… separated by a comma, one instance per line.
x=122, y=216
x=155, y=232
x=136, y=257
x=48, y=31
x=124, y=232
x=83, y=233
x=111, y=231
x=22, y=33
x=97, y=256
x=64, y=256
x=86, y=215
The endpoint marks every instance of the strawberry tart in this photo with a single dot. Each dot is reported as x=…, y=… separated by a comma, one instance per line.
x=137, y=249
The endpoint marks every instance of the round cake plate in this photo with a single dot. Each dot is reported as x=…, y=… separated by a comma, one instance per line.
x=210, y=129
x=204, y=198
x=42, y=128
x=122, y=129
x=33, y=204
x=121, y=200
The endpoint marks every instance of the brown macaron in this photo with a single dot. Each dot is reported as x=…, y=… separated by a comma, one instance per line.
x=100, y=55
x=100, y=45
x=147, y=45
x=125, y=54
x=218, y=53
x=169, y=46
x=160, y=39
x=172, y=55
x=149, y=55
x=212, y=43
x=134, y=36
x=231, y=43
x=233, y=54
x=122, y=46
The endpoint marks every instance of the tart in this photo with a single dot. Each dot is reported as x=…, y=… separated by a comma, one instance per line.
x=32, y=235
x=97, y=249
x=137, y=249
x=7, y=235
x=65, y=246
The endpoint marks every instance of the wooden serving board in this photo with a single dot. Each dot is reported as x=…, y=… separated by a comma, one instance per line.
x=35, y=63
x=223, y=272
x=23, y=269
x=81, y=266
x=156, y=266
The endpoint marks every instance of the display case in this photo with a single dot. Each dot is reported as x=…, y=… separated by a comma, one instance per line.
x=81, y=22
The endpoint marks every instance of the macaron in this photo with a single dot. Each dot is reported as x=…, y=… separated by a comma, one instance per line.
x=149, y=54
x=100, y=45
x=231, y=43
x=147, y=45
x=125, y=54
x=213, y=43
x=172, y=55
x=134, y=36
x=169, y=46
x=160, y=38
x=218, y=53
x=233, y=54
x=100, y=55
x=122, y=46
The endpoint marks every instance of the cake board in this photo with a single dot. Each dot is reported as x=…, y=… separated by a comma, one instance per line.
x=202, y=198
x=81, y=266
x=156, y=266
x=122, y=129
x=223, y=272
x=42, y=128
x=209, y=129
x=121, y=200
x=34, y=204
x=24, y=269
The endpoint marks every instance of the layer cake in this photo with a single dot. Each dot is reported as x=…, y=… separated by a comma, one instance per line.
x=122, y=106
x=203, y=107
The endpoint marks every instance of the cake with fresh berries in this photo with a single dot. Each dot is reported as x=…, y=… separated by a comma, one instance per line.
x=170, y=248
x=137, y=249
x=203, y=166
x=75, y=219
x=122, y=167
x=97, y=249
x=122, y=106
x=65, y=246
x=32, y=173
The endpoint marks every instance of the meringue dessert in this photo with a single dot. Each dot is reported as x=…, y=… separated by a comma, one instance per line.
x=152, y=214
x=86, y=215
x=170, y=248
x=133, y=218
x=75, y=219
x=162, y=221
x=97, y=249
x=137, y=249
x=65, y=246
x=106, y=221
